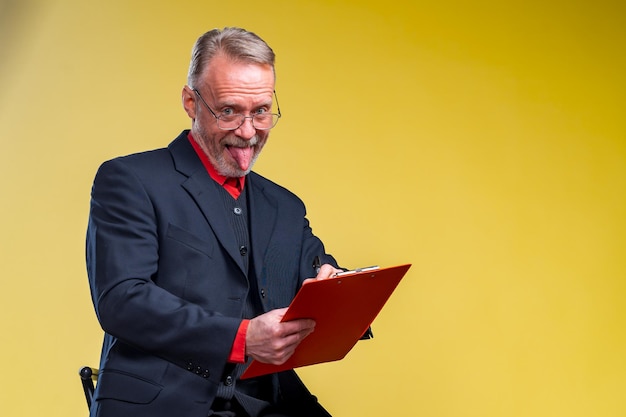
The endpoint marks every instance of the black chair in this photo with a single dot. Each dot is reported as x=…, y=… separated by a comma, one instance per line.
x=88, y=376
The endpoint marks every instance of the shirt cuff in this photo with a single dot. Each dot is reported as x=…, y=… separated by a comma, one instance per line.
x=238, y=351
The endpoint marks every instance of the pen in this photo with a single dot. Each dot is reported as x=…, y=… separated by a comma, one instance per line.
x=316, y=265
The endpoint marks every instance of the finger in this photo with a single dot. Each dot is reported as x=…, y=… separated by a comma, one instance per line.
x=327, y=271
x=289, y=344
x=298, y=326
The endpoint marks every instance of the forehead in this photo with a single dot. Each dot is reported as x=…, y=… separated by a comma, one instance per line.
x=233, y=80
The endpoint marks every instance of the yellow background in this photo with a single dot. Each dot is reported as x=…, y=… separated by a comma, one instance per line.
x=484, y=142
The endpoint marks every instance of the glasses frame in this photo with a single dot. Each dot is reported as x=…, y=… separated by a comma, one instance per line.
x=243, y=120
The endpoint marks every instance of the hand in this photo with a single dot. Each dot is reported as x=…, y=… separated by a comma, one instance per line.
x=271, y=341
x=326, y=271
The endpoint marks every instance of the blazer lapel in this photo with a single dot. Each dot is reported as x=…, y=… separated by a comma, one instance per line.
x=205, y=193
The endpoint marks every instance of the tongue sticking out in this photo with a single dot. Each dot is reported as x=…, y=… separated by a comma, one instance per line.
x=243, y=156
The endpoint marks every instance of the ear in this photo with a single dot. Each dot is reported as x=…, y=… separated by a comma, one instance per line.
x=189, y=102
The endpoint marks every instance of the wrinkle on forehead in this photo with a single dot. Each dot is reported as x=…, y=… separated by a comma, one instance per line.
x=226, y=77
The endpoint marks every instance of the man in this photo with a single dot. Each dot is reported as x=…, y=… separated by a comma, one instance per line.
x=192, y=257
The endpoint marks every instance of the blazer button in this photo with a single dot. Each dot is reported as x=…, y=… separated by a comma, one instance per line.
x=228, y=381
x=243, y=250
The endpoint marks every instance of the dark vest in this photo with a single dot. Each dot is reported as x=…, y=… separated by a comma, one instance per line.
x=256, y=393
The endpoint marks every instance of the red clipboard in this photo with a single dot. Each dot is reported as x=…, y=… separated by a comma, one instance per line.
x=343, y=308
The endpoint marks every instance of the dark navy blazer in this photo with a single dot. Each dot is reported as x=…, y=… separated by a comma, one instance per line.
x=168, y=282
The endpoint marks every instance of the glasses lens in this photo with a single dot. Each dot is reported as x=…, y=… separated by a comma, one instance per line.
x=265, y=121
x=259, y=121
x=230, y=122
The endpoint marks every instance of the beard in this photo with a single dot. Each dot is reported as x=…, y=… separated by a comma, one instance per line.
x=219, y=156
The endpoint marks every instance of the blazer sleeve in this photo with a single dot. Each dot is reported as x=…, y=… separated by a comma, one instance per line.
x=122, y=261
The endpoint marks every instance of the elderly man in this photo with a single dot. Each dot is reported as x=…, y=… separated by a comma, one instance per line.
x=193, y=258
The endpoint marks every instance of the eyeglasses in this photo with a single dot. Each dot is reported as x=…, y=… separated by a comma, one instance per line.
x=260, y=121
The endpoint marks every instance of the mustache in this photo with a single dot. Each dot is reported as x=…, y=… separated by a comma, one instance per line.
x=237, y=142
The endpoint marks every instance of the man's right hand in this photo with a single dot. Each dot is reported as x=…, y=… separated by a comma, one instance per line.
x=271, y=341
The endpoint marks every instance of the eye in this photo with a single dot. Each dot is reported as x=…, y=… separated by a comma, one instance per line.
x=227, y=111
x=261, y=110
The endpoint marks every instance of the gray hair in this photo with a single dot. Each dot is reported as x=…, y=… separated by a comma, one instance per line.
x=236, y=43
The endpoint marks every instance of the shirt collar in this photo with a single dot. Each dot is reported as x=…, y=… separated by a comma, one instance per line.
x=216, y=176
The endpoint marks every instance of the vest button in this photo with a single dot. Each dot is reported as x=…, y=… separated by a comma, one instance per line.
x=243, y=250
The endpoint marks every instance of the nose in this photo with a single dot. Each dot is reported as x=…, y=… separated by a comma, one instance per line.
x=246, y=130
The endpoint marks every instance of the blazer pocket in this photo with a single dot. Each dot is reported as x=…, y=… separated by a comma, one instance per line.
x=189, y=239
x=125, y=387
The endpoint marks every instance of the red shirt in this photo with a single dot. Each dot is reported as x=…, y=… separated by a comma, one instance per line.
x=234, y=186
